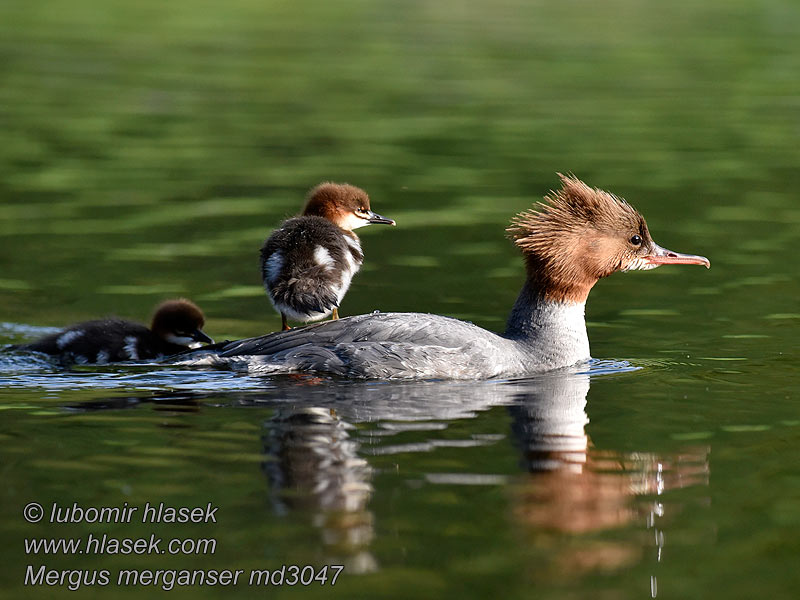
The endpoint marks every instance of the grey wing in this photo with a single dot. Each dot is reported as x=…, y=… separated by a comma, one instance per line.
x=407, y=328
x=380, y=345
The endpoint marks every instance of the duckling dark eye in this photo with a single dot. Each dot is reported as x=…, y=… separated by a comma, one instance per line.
x=636, y=240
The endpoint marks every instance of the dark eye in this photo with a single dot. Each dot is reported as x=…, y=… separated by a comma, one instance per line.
x=636, y=240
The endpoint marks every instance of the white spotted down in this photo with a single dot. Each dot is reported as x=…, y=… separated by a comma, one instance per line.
x=323, y=257
x=130, y=347
x=67, y=338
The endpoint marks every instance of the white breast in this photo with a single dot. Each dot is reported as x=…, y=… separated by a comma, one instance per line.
x=350, y=268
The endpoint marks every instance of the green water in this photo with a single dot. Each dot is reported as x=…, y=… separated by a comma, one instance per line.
x=148, y=148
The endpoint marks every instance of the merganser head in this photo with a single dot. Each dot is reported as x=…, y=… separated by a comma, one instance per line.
x=180, y=322
x=345, y=205
x=580, y=234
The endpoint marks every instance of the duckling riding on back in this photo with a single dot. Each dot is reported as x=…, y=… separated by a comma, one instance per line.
x=308, y=262
x=576, y=237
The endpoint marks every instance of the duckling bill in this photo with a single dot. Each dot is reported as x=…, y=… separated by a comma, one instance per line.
x=307, y=264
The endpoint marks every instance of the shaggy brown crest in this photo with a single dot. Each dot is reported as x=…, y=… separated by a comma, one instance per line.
x=576, y=236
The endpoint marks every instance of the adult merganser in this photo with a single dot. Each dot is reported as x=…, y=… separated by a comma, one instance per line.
x=176, y=326
x=577, y=236
x=308, y=262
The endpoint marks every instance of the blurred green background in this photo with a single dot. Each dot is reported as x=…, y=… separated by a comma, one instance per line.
x=148, y=148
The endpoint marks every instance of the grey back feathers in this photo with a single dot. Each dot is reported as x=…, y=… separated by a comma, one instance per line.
x=391, y=346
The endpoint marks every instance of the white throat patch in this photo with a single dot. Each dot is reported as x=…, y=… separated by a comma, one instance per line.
x=638, y=264
x=182, y=340
x=353, y=221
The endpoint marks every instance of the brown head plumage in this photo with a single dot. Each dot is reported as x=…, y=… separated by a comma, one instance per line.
x=343, y=204
x=576, y=236
x=180, y=322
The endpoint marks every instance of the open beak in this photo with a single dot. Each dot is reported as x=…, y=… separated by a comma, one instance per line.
x=662, y=256
x=198, y=335
x=376, y=219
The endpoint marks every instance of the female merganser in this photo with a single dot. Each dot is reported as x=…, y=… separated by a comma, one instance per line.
x=579, y=235
x=176, y=326
x=307, y=264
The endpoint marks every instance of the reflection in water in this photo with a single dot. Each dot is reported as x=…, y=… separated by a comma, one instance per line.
x=573, y=488
x=570, y=491
x=312, y=465
x=164, y=401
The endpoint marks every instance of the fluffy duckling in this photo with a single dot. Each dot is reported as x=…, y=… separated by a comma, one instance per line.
x=176, y=326
x=308, y=262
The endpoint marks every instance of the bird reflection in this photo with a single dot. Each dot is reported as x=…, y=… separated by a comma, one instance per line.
x=573, y=486
x=575, y=489
x=567, y=492
x=312, y=466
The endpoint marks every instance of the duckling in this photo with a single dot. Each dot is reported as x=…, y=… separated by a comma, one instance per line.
x=176, y=326
x=307, y=264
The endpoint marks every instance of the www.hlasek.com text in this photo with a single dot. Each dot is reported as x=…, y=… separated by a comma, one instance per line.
x=106, y=544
